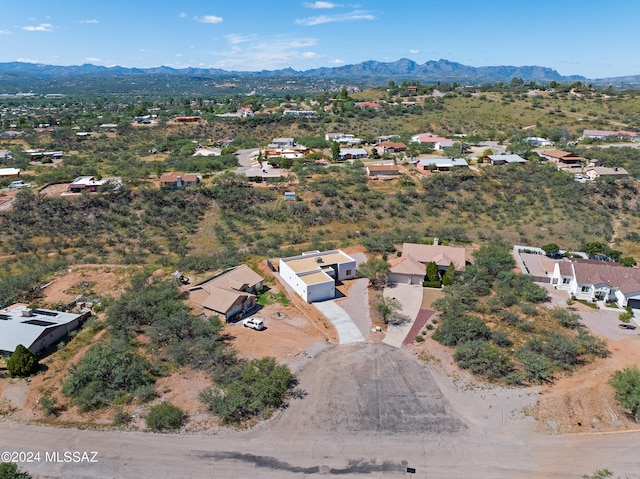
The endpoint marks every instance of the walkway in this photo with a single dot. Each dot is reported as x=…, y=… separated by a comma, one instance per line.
x=348, y=332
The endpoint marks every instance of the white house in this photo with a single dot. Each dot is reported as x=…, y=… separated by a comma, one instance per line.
x=593, y=280
x=441, y=164
x=536, y=141
x=313, y=274
x=35, y=329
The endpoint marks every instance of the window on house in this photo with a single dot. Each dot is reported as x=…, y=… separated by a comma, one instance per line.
x=585, y=289
x=348, y=272
x=566, y=280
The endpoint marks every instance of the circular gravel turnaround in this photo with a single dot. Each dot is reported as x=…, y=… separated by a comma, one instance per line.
x=365, y=387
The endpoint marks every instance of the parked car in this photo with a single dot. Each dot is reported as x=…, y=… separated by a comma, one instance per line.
x=254, y=323
x=16, y=185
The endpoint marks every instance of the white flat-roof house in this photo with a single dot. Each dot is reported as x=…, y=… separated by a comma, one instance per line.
x=35, y=329
x=313, y=274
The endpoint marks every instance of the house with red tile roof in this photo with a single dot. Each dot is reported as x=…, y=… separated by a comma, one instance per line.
x=438, y=142
x=391, y=147
x=564, y=160
x=411, y=267
x=368, y=104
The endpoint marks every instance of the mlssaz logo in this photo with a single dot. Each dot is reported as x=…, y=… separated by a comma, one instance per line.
x=72, y=456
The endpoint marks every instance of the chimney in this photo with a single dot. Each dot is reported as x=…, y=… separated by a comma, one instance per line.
x=435, y=241
x=27, y=312
x=179, y=181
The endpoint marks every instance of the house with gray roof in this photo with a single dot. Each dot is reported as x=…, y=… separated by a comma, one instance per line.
x=441, y=164
x=36, y=329
x=505, y=159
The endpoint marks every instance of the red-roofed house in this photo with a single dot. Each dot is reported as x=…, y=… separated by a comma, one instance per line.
x=368, y=104
x=598, y=281
x=438, y=142
x=391, y=147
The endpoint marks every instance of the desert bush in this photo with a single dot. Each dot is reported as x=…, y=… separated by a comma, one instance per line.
x=536, y=368
x=165, y=416
x=107, y=371
x=484, y=359
x=251, y=389
x=457, y=329
x=566, y=318
x=627, y=386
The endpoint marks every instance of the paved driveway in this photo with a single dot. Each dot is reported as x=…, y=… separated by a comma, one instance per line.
x=348, y=332
x=410, y=297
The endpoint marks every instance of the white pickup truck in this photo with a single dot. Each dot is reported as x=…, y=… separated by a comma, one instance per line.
x=16, y=185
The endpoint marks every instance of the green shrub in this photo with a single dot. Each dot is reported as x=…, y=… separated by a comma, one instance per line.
x=484, y=359
x=431, y=284
x=108, y=371
x=566, y=318
x=9, y=470
x=627, y=315
x=22, y=363
x=536, y=368
x=165, y=416
x=419, y=338
x=250, y=389
x=627, y=386
x=456, y=329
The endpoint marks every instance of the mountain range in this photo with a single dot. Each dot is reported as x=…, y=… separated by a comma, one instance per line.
x=31, y=75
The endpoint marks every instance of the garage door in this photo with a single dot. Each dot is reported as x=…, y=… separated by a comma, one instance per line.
x=634, y=303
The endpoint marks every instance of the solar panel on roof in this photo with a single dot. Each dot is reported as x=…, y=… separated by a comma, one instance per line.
x=38, y=322
x=42, y=312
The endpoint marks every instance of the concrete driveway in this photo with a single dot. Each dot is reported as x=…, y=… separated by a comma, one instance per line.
x=410, y=297
x=348, y=332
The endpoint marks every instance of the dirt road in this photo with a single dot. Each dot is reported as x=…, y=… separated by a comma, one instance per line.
x=370, y=410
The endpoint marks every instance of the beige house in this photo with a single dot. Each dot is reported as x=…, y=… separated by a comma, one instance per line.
x=382, y=171
x=179, y=180
x=605, y=172
x=229, y=294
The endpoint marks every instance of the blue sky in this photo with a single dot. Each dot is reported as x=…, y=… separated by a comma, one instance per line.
x=589, y=38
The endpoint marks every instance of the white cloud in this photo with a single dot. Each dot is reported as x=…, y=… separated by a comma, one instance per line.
x=209, y=19
x=93, y=59
x=337, y=61
x=43, y=27
x=343, y=17
x=182, y=15
x=5, y=32
x=235, y=39
x=92, y=20
x=414, y=51
x=252, y=53
x=319, y=4
x=310, y=54
x=179, y=55
x=26, y=60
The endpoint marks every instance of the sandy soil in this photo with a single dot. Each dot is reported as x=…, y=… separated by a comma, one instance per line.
x=101, y=280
